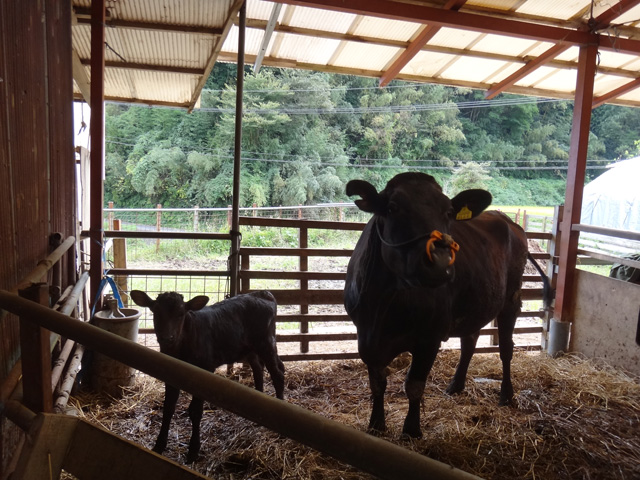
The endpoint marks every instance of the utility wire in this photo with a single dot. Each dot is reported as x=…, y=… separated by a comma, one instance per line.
x=388, y=108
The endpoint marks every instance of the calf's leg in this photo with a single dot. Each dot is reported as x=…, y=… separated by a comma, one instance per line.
x=195, y=414
x=257, y=368
x=275, y=367
x=467, y=348
x=378, y=385
x=171, y=395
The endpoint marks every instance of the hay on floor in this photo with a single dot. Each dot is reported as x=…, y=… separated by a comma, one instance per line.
x=571, y=419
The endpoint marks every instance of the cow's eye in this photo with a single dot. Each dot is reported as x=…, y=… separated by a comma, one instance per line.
x=451, y=213
x=392, y=208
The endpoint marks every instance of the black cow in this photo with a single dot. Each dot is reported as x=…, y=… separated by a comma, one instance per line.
x=241, y=328
x=427, y=268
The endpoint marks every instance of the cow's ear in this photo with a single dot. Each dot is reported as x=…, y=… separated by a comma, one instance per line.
x=197, y=303
x=371, y=201
x=470, y=203
x=142, y=299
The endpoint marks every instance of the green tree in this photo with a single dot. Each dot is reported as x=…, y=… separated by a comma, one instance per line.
x=468, y=175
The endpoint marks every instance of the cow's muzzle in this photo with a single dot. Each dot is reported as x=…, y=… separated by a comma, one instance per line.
x=442, y=239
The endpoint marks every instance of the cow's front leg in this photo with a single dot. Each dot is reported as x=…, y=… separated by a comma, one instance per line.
x=195, y=414
x=421, y=364
x=378, y=385
x=171, y=395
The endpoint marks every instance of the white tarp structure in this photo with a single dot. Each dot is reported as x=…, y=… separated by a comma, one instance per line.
x=612, y=200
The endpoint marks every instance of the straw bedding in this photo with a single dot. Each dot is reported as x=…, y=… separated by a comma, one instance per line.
x=571, y=419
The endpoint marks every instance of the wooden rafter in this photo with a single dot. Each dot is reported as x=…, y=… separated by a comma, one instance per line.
x=268, y=32
x=233, y=12
x=627, y=87
x=606, y=18
x=525, y=70
x=80, y=76
x=427, y=33
x=602, y=21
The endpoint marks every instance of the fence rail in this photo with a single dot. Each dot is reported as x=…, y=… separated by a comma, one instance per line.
x=303, y=296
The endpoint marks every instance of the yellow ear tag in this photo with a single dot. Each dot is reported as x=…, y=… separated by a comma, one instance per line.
x=464, y=214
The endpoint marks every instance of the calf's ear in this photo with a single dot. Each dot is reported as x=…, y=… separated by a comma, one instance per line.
x=371, y=201
x=141, y=299
x=470, y=203
x=197, y=303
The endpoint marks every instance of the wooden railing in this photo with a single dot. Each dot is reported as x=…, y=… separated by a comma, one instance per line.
x=303, y=296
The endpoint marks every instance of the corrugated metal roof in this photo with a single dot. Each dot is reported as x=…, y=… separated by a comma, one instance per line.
x=160, y=51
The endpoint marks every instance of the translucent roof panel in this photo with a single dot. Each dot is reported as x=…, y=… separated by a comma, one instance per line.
x=473, y=68
x=479, y=46
x=384, y=28
x=319, y=19
x=365, y=57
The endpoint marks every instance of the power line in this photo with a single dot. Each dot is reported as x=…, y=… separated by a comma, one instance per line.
x=503, y=102
x=406, y=163
x=335, y=89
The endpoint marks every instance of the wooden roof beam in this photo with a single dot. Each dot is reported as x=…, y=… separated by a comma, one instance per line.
x=411, y=12
x=426, y=34
x=146, y=66
x=470, y=21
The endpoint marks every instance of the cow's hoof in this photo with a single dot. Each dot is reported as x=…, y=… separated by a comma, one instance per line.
x=454, y=388
x=377, y=428
x=505, y=402
x=408, y=433
x=191, y=457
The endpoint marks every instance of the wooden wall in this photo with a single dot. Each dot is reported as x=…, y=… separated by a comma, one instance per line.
x=37, y=185
x=607, y=314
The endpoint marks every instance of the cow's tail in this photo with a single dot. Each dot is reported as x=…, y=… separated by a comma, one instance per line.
x=547, y=292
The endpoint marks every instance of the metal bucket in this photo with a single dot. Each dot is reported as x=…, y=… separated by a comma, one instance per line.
x=109, y=375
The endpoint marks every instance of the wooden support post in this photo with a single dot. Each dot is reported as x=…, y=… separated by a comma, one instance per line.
x=120, y=261
x=96, y=128
x=304, y=288
x=568, y=252
x=196, y=220
x=35, y=345
x=245, y=281
x=110, y=216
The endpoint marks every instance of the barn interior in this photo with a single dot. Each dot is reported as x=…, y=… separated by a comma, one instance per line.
x=160, y=53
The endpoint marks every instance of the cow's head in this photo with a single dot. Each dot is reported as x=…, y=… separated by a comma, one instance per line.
x=169, y=311
x=413, y=219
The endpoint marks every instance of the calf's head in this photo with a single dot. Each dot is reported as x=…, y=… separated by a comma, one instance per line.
x=413, y=220
x=169, y=311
